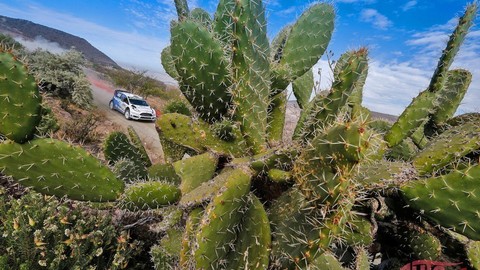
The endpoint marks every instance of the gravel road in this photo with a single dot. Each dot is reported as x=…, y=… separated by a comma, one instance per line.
x=102, y=94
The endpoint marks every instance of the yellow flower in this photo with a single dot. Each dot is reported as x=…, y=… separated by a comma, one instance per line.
x=31, y=222
x=16, y=226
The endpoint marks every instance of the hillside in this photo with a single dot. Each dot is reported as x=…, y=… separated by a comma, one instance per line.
x=31, y=31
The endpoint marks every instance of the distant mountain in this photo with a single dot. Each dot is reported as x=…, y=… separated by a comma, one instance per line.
x=32, y=31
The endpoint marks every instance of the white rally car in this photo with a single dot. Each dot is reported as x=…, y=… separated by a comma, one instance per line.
x=132, y=106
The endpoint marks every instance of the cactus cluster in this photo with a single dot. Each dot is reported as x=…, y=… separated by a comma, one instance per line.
x=347, y=189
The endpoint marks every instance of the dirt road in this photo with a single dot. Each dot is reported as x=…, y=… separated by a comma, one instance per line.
x=102, y=93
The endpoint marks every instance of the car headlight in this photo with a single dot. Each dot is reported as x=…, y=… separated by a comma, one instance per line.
x=153, y=112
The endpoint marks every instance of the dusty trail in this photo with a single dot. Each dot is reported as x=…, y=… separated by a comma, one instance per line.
x=102, y=93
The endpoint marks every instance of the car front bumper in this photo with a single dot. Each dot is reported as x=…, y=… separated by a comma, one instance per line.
x=142, y=116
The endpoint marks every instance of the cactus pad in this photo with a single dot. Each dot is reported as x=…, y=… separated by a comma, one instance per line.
x=450, y=200
x=196, y=135
x=202, y=67
x=195, y=170
x=216, y=231
x=57, y=168
x=19, y=99
x=150, y=195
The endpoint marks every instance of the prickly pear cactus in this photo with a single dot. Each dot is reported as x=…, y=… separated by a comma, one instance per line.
x=345, y=191
x=57, y=168
x=19, y=99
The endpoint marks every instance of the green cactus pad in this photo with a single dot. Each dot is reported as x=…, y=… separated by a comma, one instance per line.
x=117, y=146
x=302, y=88
x=326, y=261
x=463, y=118
x=276, y=118
x=56, y=168
x=226, y=130
x=473, y=254
x=202, y=16
x=128, y=171
x=216, y=231
x=166, y=254
x=325, y=111
x=203, y=69
x=439, y=77
x=150, y=195
x=305, y=114
x=195, y=170
x=164, y=172
x=207, y=190
x=168, y=63
x=251, y=72
x=404, y=151
x=289, y=217
x=252, y=247
x=384, y=173
x=223, y=20
x=137, y=142
x=172, y=151
x=358, y=231
x=362, y=259
x=451, y=95
x=306, y=43
x=278, y=44
x=279, y=176
x=188, y=239
x=182, y=9
x=414, y=116
x=19, y=99
x=196, y=135
x=322, y=170
x=423, y=245
x=450, y=200
x=448, y=146
x=418, y=138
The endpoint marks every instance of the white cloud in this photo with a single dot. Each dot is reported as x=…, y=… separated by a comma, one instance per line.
x=409, y=5
x=377, y=19
x=287, y=11
x=389, y=87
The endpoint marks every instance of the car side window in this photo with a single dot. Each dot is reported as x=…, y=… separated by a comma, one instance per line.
x=119, y=94
x=124, y=99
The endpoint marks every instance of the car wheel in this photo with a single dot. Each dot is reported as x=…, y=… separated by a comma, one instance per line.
x=127, y=114
x=111, y=105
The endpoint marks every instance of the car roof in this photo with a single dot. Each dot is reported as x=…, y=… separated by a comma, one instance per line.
x=128, y=94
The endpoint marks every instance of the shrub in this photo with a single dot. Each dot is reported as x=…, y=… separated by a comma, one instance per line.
x=45, y=233
x=62, y=75
x=82, y=129
x=48, y=124
x=177, y=106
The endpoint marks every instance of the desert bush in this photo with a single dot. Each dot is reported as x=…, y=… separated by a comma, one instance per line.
x=48, y=124
x=9, y=42
x=62, y=75
x=177, y=106
x=82, y=129
x=45, y=233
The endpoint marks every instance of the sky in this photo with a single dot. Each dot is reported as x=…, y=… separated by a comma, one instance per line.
x=405, y=38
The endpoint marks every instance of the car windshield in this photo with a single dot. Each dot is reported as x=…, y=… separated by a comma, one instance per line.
x=138, y=102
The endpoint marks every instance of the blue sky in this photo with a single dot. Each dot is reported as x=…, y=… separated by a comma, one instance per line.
x=405, y=37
